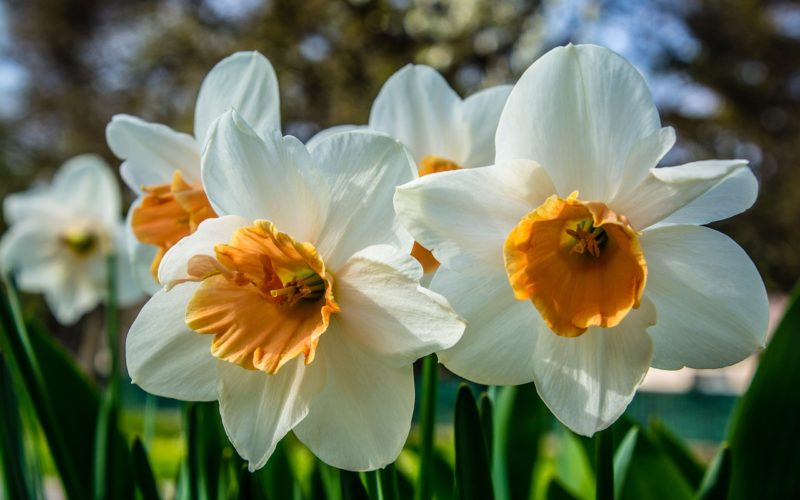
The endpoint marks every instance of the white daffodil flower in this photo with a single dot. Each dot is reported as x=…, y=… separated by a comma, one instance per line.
x=163, y=166
x=60, y=236
x=305, y=258
x=441, y=130
x=577, y=263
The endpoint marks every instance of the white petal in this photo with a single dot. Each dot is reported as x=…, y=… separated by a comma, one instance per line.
x=152, y=152
x=464, y=216
x=85, y=186
x=711, y=302
x=578, y=111
x=325, y=133
x=385, y=309
x=497, y=346
x=361, y=169
x=164, y=356
x=129, y=291
x=418, y=107
x=665, y=191
x=259, y=409
x=246, y=82
x=210, y=232
x=74, y=296
x=732, y=195
x=362, y=418
x=645, y=154
x=31, y=250
x=263, y=178
x=588, y=381
x=481, y=113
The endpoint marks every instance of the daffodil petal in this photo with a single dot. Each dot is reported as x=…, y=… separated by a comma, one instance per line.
x=129, y=291
x=268, y=177
x=30, y=249
x=362, y=418
x=384, y=308
x=85, y=186
x=712, y=305
x=73, y=297
x=246, y=82
x=497, y=346
x=481, y=113
x=665, y=191
x=588, y=381
x=418, y=107
x=578, y=111
x=645, y=154
x=361, y=168
x=152, y=152
x=732, y=195
x=330, y=131
x=209, y=233
x=464, y=216
x=164, y=356
x=259, y=409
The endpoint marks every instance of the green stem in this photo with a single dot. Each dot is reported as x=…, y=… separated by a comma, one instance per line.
x=112, y=325
x=374, y=486
x=391, y=490
x=430, y=374
x=604, y=464
x=149, y=426
x=19, y=351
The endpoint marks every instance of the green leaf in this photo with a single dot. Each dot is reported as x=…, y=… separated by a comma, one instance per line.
x=718, y=477
x=681, y=456
x=250, y=487
x=555, y=491
x=487, y=421
x=277, y=477
x=604, y=464
x=142, y=472
x=573, y=465
x=112, y=472
x=390, y=483
x=18, y=347
x=17, y=482
x=427, y=423
x=652, y=474
x=352, y=487
x=205, y=450
x=765, y=433
x=520, y=421
x=622, y=459
x=473, y=477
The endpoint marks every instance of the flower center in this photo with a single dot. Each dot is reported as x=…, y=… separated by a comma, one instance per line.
x=168, y=213
x=430, y=165
x=578, y=262
x=265, y=297
x=81, y=242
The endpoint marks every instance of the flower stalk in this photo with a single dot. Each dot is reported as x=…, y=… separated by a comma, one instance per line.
x=427, y=423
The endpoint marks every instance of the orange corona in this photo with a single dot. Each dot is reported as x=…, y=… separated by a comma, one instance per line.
x=578, y=262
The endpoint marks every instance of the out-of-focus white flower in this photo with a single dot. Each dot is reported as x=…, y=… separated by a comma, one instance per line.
x=442, y=131
x=577, y=263
x=306, y=258
x=163, y=166
x=61, y=234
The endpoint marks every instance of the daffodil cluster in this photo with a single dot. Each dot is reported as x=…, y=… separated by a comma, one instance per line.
x=288, y=280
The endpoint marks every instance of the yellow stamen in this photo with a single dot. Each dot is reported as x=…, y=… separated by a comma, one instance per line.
x=578, y=262
x=81, y=242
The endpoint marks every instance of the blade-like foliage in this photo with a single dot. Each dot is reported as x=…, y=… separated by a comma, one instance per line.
x=765, y=434
x=473, y=479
